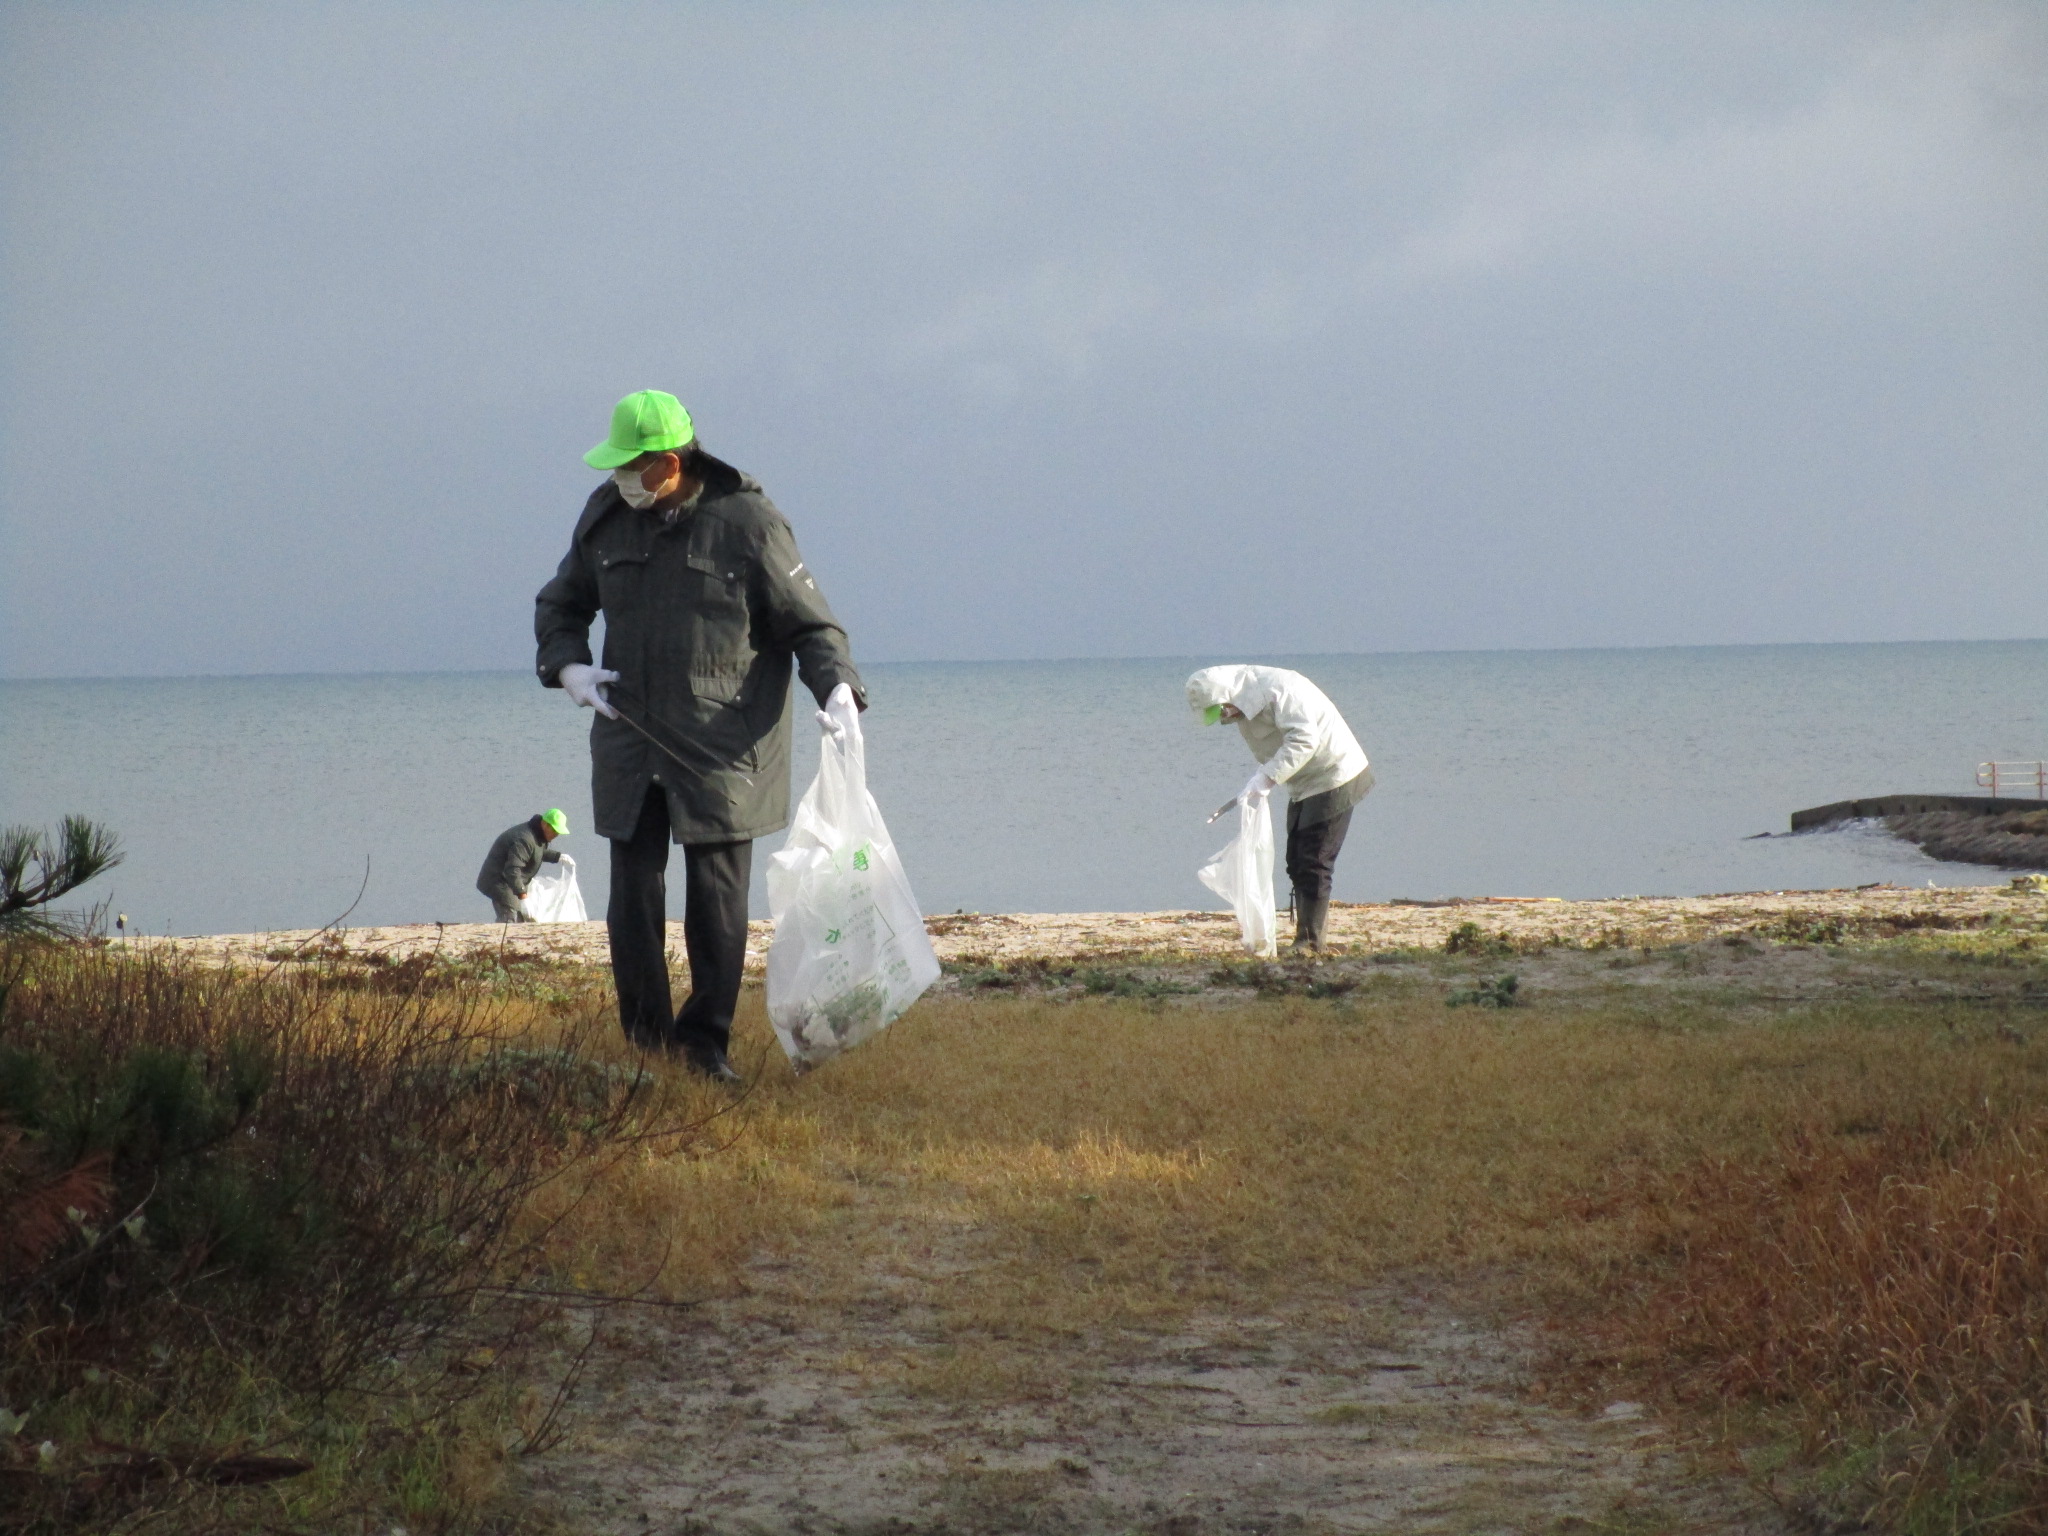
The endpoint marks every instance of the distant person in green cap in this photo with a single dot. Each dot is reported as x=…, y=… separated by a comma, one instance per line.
x=706, y=604
x=515, y=858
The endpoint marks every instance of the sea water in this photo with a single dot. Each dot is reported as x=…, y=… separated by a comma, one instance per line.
x=253, y=803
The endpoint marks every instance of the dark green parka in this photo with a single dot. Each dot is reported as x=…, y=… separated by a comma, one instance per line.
x=702, y=617
x=515, y=858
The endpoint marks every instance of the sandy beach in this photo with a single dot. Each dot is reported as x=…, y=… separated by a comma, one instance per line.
x=1000, y=939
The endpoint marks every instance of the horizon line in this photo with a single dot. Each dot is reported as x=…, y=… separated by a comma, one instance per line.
x=1012, y=661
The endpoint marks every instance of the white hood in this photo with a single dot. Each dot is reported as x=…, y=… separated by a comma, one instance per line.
x=1231, y=685
x=1291, y=726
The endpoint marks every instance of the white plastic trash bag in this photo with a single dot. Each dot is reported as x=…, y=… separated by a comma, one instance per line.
x=1242, y=874
x=850, y=951
x=553, y=896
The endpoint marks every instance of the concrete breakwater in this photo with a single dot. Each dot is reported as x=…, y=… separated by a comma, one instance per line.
x=1963, y=829
x=2012, y=840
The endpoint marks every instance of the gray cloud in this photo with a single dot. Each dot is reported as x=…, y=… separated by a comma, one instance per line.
x=1058, y=330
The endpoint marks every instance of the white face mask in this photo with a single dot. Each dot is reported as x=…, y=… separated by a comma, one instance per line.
x=635, y=494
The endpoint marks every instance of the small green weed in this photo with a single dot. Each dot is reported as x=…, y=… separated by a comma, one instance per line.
x=991, y=978
x=1129, y=984
x=1272, y=981
x=1806, y=928
x=1489, y=992
x=1468, y=938
x=1255, y=974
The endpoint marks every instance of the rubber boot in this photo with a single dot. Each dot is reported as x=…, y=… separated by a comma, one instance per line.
x=1310, y=914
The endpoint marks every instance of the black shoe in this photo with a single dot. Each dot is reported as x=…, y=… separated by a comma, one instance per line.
x=1311, y=915
x=713, y=1065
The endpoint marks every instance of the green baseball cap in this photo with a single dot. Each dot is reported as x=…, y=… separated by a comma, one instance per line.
x=646, y=421
x=557, y=820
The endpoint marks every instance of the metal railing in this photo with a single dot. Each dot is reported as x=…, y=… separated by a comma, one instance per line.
x=2012, y=778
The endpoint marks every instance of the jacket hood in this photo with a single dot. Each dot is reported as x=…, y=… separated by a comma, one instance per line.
x=1239, y=685
x=720, y=479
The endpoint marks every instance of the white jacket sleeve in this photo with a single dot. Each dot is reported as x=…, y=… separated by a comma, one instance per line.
x=1306, y=730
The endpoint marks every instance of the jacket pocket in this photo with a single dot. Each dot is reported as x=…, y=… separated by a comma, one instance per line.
x=618, y=576
x=720, y=686
x=711, y=565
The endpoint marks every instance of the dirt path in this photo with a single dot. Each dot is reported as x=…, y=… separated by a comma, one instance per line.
x=1394, y=1414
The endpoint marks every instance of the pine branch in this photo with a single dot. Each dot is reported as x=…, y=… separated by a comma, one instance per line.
x=35, y=870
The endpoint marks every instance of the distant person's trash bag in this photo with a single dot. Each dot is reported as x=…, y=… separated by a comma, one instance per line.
x=553, y=896
x=1242, y=874
x=850, y=951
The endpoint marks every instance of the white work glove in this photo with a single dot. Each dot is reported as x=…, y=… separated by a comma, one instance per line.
x=1255, y=790
x=840, y=718
x=585, y=684
x=567, y=861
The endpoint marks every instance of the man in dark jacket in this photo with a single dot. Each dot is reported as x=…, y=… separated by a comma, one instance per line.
x=515, y=858
x=706, y=602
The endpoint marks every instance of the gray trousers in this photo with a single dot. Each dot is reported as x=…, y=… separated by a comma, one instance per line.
x=511, y=910
x=1315, y=832
x=1312, y=853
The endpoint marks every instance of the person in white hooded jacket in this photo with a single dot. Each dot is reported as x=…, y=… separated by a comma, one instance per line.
x=1301, y=741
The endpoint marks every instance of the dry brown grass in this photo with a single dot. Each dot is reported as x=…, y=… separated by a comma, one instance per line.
x=1100, y=1162
x=276, y=1227
x=1835, y=1214
x=1030, y=1166
x=1791, y=1205
x=1888, y=1293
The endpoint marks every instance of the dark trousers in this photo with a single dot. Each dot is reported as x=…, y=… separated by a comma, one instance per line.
x=510, y=909
x=714, y=934
x=1312, y=852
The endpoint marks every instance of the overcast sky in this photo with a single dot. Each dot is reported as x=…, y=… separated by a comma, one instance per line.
x=1056, y=330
